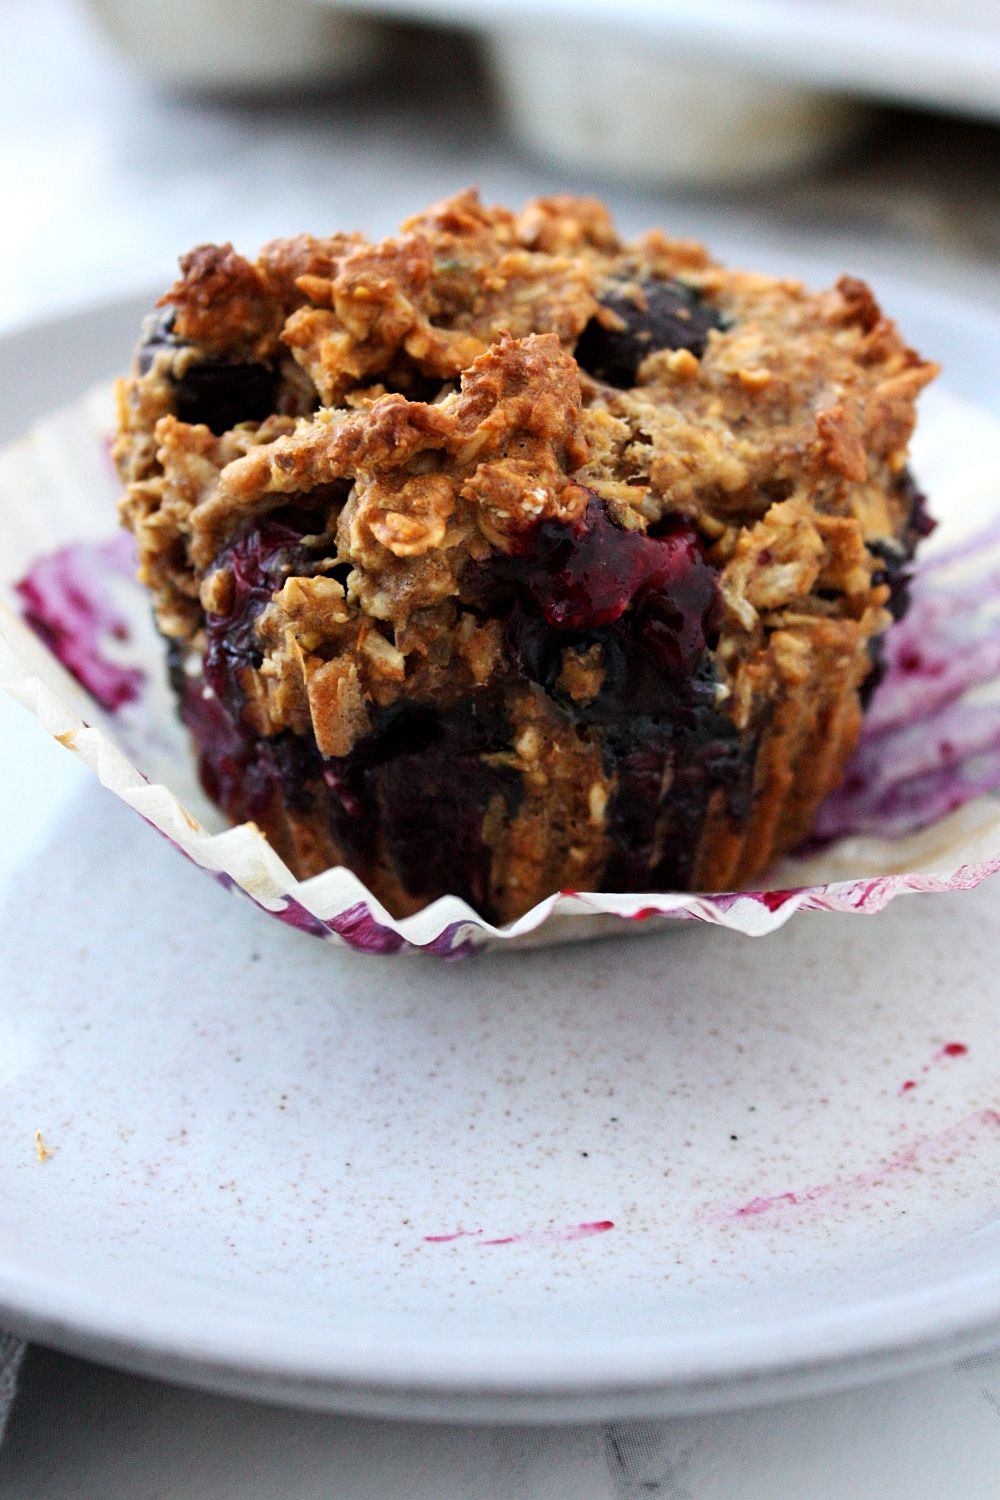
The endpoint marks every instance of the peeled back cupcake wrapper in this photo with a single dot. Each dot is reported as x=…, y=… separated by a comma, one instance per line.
x=915, y=811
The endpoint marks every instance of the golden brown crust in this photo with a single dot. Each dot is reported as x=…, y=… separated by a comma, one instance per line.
x=429, y=414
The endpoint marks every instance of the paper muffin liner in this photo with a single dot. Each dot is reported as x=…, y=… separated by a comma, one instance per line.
x=917, y=810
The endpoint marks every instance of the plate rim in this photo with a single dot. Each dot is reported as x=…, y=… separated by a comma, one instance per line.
x=817, y=1353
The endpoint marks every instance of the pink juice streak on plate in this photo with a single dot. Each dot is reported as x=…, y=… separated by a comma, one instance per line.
x=949, y=1050
x=966, y=1132
x=457, y=1234
x=531, y=1237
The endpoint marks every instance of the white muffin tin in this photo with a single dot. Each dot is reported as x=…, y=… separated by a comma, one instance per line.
x=658, y=91
x=665, y=91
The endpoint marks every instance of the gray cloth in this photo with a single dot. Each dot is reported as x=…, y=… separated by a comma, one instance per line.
x=82, y=1432
x=11, y=1354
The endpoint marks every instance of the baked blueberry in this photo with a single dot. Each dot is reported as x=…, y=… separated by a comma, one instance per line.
x=637, y=319
x=217, y=391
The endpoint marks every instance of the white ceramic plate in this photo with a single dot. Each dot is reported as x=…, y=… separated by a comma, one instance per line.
x=666, y=1174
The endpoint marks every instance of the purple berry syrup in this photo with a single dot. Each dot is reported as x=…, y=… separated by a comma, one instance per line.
x=66, y=600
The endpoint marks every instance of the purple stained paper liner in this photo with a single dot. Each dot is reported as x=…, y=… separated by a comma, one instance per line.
x=917, y=810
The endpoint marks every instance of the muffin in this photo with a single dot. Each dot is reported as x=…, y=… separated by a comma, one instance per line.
x=506, y=557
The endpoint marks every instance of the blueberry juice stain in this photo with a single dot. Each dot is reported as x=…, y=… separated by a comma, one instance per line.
x=650, y=602
x=418, y=766
x=241, y=771
x=66, y=599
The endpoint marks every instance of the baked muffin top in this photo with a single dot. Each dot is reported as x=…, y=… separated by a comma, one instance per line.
x=436, y=406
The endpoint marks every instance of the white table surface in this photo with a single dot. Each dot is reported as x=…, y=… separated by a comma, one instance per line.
x=105, y=179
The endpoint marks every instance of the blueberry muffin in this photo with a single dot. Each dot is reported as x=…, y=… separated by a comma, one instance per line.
x=505, y=556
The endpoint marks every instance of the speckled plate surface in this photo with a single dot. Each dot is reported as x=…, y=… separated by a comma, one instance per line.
x=633, y=1176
